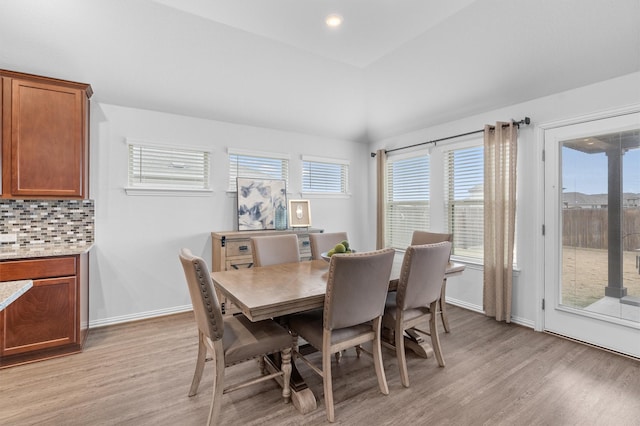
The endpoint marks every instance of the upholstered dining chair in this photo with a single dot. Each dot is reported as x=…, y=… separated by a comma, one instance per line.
x=357, y=287
x=231, y=340
x=425, y=237
x=419, y=288
x=275, y=249
x=324, y=241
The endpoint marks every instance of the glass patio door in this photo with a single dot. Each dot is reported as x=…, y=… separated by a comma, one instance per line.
x=592, y=238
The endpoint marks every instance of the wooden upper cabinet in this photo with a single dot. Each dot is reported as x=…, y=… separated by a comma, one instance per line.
x=45, y=137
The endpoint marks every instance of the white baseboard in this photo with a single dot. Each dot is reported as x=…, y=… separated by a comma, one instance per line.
x=465, y=305
x=139, y=316
x=179, y=309
x=523, y=322
x=516, y=320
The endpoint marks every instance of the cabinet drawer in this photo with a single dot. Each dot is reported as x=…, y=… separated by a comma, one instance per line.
x=304, y=246
x=239, y=263
x=238, y=248
x=37, y=268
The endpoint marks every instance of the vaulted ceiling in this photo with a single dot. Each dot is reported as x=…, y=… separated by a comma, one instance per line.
x=392, y=67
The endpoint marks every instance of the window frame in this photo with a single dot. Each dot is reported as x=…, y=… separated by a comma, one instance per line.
x=232, y=178
x=457, y=253
x=164, y=188
x=413, y=155
x=345, y=166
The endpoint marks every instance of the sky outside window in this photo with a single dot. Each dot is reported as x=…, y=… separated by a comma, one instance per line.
x=587, y=173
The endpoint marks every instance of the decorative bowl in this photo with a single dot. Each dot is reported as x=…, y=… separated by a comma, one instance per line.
x=328, y=258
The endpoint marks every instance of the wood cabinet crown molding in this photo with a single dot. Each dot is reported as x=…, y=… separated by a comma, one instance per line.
x=49, y=80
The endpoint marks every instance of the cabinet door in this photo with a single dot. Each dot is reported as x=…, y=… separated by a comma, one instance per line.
x=42, y=318
x=47, y=140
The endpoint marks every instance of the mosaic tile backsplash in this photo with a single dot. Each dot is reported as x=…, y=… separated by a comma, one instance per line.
x=39, y=222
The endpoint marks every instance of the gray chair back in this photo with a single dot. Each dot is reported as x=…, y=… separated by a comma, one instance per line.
x=323, y=242
x=422, y=275
x=357, y=288
x=203, y=296
x=425, y=237
x=275, y=249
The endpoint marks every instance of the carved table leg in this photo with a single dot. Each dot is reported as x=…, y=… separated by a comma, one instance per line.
x=414, y=341
x=301, y=396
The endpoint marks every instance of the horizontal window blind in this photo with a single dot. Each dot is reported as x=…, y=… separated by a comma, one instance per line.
x=258, y=166
x=167, y=167
x=324, y=176
x=407, y=204
x=464, y=200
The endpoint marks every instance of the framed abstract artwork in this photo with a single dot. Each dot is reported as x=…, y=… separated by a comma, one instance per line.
x=262, y=204
x=299, y=213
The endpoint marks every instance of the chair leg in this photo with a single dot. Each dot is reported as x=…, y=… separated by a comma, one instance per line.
x=443, y=304
x=377, y=357
x=400, y=353
x=262, y=365
x=435, y=339
x=218, y=383
x=202, y=356
x=326, y=376
x=286, y=368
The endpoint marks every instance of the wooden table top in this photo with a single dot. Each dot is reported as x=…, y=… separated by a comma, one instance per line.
x=273, y=291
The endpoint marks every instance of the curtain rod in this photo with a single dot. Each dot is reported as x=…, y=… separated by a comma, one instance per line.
x=525, y=120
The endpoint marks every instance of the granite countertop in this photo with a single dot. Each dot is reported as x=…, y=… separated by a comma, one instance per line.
x=11, y=290
x=45, y=250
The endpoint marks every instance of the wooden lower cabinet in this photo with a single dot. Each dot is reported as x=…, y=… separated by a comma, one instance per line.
x=232, y=250
x=51, y=319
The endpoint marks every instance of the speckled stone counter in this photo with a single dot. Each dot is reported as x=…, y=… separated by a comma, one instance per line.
x=10, y=253
x=11, y=290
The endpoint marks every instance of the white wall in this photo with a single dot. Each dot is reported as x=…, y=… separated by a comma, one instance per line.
x=135, y=271
x=134, y=267
x=466, y=290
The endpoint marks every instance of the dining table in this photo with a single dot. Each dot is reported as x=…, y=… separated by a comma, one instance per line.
x=276, y=291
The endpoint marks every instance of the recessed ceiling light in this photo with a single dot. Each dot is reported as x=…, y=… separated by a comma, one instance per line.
x=333, y=20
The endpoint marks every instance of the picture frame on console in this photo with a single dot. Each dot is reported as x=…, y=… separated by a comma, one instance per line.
x=299, y=213
x=262, y=204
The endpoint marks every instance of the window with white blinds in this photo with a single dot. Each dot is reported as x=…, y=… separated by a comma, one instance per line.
x=258, y=165
x=407, y=204
x=464, y=200
x=158, y=167
x=325, y=176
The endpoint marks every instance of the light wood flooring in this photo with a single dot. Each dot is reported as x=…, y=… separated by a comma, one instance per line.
x=496, y=374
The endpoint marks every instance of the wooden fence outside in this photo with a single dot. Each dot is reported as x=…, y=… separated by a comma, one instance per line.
x=589, y=228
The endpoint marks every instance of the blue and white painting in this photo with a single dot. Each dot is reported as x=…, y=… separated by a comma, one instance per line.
x=257, y=202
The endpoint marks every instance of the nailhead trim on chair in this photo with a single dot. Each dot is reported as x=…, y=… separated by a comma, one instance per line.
x=215, y=328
